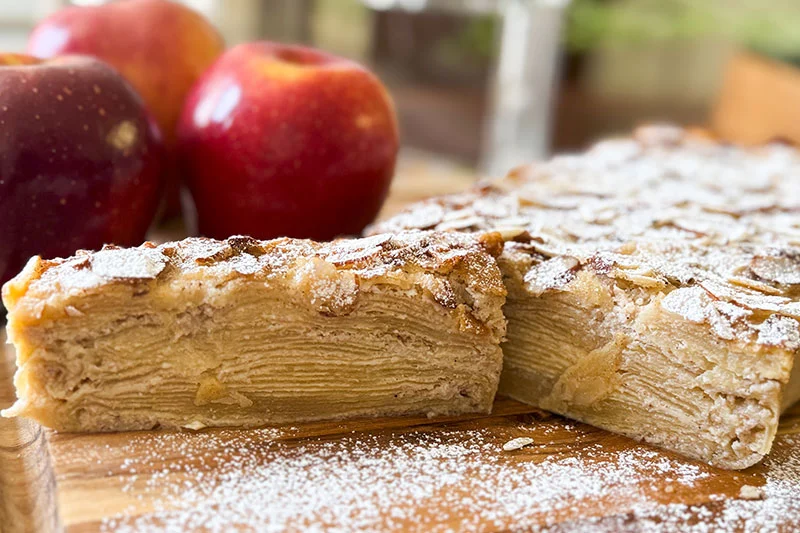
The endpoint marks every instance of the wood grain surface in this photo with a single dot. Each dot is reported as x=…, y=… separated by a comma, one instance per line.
x=570, y=477
x=27, y=481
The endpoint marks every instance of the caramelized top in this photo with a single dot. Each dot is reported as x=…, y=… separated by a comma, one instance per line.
x=453, y=269
x=716, y=228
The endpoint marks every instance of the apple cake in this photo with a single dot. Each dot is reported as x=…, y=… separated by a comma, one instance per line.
x=653, y=287
x=244, y=332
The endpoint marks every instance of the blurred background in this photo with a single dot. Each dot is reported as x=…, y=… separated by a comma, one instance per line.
x=484, y=85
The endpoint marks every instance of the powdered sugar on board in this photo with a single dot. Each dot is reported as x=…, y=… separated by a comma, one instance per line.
x=414, y=474
x=436, y=477
x=366, y=483
x=773, y=507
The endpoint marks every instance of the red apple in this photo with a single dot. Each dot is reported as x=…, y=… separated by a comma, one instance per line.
x=80, y=159
x=285, y=140
x=160, y=47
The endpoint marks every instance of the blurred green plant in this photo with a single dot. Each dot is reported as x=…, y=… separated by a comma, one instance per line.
x=479, y=36
x=771, y=27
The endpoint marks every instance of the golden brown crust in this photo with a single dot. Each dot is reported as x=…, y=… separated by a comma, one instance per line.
x=440, y=263
x=665, y=210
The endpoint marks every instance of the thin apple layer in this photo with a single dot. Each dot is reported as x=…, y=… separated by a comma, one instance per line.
x=621, y=356
x=245, y=333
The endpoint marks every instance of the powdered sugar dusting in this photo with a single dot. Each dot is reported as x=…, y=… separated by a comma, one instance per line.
x=431, y=480
x=688, y=302
x=777, y=330
x=144, y=263
x=554, y=273
x=777, y=268
x=773, y=507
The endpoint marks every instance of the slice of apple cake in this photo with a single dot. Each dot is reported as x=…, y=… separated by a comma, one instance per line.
x=653, y=287
x=244, y=332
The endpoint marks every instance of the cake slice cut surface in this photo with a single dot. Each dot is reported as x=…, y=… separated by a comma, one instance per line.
x=244, y=332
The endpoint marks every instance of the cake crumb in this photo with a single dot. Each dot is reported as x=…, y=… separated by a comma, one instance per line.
x=516, y=444
x=751, y=492
x=195, y=425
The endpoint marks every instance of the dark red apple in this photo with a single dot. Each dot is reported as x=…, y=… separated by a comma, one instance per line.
x=284, y=140
x=160, y=47
x=80, y=159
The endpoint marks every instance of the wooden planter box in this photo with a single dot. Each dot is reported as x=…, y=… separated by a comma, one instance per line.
x=759, y=101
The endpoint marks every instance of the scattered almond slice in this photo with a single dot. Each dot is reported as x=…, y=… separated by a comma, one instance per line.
x=516, y=444
x=751, y=492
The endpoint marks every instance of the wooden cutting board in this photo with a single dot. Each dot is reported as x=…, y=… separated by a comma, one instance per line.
x=383, y=474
